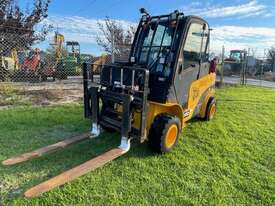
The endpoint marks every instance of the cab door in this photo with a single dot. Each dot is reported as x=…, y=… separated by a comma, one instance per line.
x=191, y=58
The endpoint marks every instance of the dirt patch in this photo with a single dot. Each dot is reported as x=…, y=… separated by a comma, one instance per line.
x=46, y=93
x=11, y=95
x=53, y=96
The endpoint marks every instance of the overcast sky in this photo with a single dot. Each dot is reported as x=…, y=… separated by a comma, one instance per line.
x=237, y=24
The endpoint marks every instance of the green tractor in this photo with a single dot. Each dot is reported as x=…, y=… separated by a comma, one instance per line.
x=70, y=65
x=235, y=64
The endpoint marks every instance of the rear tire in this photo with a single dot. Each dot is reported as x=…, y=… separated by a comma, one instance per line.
x=164, y=133
x=210, y=109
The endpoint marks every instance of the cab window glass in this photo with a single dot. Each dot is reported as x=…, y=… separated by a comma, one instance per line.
x=196, y=42
x=146, y=44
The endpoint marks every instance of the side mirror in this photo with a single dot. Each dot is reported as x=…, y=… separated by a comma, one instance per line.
x=143, y=11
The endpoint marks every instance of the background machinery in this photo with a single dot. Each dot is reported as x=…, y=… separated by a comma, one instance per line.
x=54, y=57
x=70, y=63
x=99, y=62
x=236, y=62
x=57, y=63
x=8, y=65
x=73, y=58
x=63, y=61
x=165, y=83
x=32, y=67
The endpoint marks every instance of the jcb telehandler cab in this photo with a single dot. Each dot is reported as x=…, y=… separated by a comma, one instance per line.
x=165, y=83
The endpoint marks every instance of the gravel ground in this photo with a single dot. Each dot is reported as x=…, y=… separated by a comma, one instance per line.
x=43, y=93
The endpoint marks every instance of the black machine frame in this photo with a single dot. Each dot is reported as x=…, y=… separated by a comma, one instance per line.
x=130, y=98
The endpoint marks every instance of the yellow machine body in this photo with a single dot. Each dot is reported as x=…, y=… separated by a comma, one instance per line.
x=200, y=92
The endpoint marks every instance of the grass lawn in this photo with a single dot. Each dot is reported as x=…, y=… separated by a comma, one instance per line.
x=228, y=161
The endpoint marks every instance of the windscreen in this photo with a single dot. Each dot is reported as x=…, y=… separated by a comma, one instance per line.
x=236, y=55
x=155, y=41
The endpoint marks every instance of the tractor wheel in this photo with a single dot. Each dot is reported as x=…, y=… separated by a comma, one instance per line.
x=164, y=133
x=211, y=109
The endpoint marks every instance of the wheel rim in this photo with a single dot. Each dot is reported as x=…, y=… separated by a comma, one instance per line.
x=212, y=111
x=171, y=136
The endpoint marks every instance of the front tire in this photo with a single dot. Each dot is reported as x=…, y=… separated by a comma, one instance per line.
x=164, y=133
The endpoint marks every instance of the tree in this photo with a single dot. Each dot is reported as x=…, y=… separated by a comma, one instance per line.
x=271, y=58
x=17, y=27
x=115, y=38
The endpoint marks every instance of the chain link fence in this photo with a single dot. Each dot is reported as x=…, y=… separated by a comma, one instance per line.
x=22, y=63
x=240, y=67
x=50, y=74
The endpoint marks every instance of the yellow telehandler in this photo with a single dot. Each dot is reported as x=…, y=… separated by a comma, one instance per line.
x=165, y=83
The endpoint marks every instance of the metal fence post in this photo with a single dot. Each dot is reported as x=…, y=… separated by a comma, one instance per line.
x=222, y=65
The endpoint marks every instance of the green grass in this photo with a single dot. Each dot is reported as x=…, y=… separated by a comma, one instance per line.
x=228, y=161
